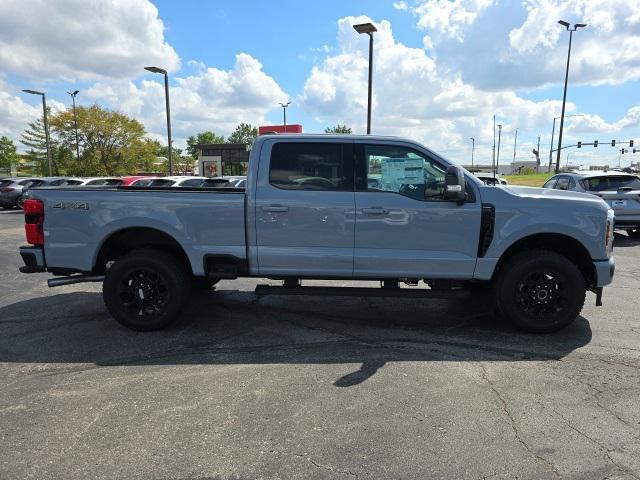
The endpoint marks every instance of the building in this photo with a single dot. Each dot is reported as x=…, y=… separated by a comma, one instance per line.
x=219, y=159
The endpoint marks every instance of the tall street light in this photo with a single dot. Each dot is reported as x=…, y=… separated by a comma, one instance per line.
x=473, y=148
x=166, y=96
x=368, y=28
x=46, y=125
x=75, y=122
x=284, y=114
x=495, y=171
x=566, y=80
x=552, y=135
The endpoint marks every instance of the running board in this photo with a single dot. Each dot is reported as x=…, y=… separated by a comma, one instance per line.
x=360, y=292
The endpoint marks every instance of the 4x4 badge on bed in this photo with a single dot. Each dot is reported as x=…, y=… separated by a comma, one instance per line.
x=74, y=205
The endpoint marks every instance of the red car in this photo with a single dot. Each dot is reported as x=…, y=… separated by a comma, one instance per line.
x=133, y=178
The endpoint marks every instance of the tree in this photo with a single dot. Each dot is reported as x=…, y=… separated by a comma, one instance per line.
x=8, y=153
x=244, y=133
x=111, y=142
x=200, y=139
x=338, y=129
x=34, y=139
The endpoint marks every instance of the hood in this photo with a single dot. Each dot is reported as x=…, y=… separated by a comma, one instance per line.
x=552, y=194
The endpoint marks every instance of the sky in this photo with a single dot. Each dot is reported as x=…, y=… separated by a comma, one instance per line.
x=442, y=68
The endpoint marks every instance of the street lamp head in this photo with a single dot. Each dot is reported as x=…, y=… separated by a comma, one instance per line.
x=155, y=70
x=285, y=105
x=579, y=25
x=365, y=28
x=74, y=93
x=33, y=92
x=564, y=24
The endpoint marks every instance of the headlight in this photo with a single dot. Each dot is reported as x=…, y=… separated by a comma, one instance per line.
x=608, y=236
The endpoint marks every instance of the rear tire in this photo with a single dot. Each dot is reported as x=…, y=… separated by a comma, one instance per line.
x=20, y=202
x=539, y=291
x=146, y=289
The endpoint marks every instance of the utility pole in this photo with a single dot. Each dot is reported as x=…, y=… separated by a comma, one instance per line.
x=515, y=142
x=162, y=71
x=46, y=126
x=493, y=151
x=473, y=147
x=369, y=29
x=538, y=157
x=498, y=151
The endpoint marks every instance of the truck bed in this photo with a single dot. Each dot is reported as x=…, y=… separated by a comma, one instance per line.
x=79, y=220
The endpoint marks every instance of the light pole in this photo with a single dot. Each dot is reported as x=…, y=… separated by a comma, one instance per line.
x=552, y=134
x=473, y=147
x=46, y=125
x=368, y=28
x=498, y=151
x=284, y=114
x=566, y=80
x=75, y=122
x=166, y=96
x=515, y=143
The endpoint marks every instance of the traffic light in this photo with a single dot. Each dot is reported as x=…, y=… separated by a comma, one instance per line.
x=630, y=143
x=634, y=150
x=579, y=144
x=623, y=151
x=613, y=143
x=595, y=143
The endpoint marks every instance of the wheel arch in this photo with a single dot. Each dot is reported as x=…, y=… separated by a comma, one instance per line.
x=125, y=240
x=562, y=244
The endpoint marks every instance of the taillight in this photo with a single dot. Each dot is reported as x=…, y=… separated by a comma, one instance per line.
x=34, y=220
x=7, y=189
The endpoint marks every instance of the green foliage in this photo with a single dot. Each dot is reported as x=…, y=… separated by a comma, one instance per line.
x=244, y=133
x=110, y=143
x=201, y=138
x=8, y=153
x=338, y=129
x=34, y=138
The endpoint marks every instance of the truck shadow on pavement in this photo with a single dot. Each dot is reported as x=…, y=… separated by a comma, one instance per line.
x=235, y=327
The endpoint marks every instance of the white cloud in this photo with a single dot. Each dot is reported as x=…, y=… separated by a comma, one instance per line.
x=210, y=99
x=82, y=39
x=521, y=46
x=401, y=5
x=15, y=113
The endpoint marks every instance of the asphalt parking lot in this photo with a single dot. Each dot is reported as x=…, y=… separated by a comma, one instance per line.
x=283, y=387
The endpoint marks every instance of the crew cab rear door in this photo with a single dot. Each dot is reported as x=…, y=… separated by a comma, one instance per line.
x=304, y=208
x=404, y=227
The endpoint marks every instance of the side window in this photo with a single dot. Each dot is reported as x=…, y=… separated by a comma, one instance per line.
x=563, y=183
x=195, y=182
x=551, y=183
x=572, y=183
x=401, y=170
x=311, y=166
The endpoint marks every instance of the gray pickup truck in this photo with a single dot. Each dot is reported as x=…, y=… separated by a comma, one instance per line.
x=373, y=208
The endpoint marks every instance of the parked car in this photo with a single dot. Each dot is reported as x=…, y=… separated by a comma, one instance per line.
x=101, y=182
x=134, y=179
x=11, y=191
x=489, y=179
x=186, y=181
x=619, y=189
x=538, y=250
x=173, y=181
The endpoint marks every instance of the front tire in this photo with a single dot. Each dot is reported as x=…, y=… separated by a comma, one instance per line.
x=145, y=290
x=539, y=291
x=20, y=202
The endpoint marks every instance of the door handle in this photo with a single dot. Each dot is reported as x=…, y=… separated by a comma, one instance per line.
x=375, y=210
x=275, y=208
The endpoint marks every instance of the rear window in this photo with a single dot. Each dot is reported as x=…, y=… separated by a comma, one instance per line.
x=161, y=183
x=106, y=181
x=5, y=183
x=310, y=166
x=196, y=182
x=216, y=183
x=601, y=184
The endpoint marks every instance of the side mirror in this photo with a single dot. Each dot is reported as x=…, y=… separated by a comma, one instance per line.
x=454, y=185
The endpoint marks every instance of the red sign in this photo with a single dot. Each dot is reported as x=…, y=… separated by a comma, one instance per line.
x=295, y=128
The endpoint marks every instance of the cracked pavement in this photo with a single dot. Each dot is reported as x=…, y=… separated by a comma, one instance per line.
x=310, y=387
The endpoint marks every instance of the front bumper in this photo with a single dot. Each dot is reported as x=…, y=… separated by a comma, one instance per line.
x=33, y=258
x=604, y=271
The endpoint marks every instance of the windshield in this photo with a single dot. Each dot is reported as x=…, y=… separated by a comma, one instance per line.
x=601, y=184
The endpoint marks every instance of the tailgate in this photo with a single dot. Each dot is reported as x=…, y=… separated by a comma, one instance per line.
x=627, y=202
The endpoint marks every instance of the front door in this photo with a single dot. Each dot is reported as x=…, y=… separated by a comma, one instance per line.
x=305, y=209
x=404, y=227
